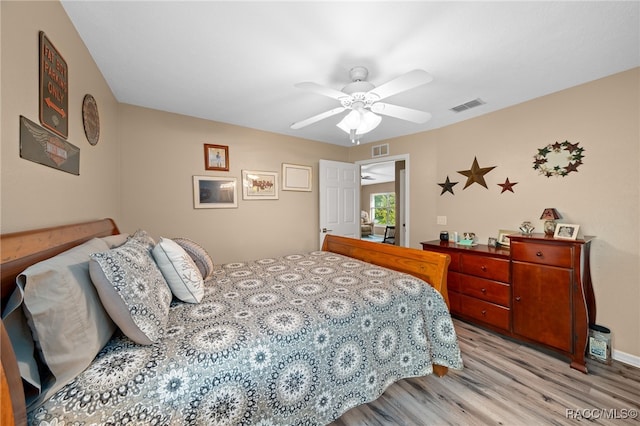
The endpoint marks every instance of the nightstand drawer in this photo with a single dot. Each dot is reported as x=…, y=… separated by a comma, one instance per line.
x=485, y=267
x=491, y=291
x=547, y=254
x=485, y=312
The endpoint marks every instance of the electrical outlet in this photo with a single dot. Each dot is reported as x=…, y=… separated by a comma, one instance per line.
x=441, y=220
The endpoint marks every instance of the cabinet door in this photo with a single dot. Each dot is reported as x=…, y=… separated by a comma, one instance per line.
x=542, y=304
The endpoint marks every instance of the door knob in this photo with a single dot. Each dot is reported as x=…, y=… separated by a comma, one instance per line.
x=325, y=230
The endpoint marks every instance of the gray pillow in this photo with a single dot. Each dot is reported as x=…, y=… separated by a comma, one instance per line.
x=132, y=288
x=64, y=315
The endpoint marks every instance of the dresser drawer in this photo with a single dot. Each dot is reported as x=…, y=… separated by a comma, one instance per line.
x=485, y=312
x=490, y=291
x=453, y=281
x=485, y=267
x=547, y=254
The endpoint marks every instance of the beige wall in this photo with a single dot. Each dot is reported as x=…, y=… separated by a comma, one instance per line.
x=602, y=197
x=32, y=194
x=161, y=152
x=140, y=172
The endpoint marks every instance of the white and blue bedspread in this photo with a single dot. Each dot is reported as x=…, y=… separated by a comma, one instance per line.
x=296, y=340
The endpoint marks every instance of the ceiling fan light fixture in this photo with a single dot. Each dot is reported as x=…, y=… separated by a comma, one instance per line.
x=359, y=120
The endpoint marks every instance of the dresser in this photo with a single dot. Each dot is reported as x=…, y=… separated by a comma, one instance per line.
x=539, y=291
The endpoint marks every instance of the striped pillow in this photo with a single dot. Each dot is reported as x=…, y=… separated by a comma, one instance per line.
x=199, y=255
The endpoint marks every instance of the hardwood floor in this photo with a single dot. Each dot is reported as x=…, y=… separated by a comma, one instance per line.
x=507, y=383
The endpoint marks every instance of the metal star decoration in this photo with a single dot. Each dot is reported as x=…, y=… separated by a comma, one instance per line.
x=476, y=174
x=507, y=186
x=447, y=186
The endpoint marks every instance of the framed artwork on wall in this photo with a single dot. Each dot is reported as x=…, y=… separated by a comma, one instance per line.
x=259, y=185
x=210, y=192
x=216, y=157
x=566, y=230
x=296, y=177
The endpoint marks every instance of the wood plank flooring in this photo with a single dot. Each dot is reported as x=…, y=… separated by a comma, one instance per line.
x=507, y=383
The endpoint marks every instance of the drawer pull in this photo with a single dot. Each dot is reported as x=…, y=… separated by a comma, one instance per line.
x=539, y=254
x=483, y=290
x=484, y=312
x=484, y=268
x=517, y=298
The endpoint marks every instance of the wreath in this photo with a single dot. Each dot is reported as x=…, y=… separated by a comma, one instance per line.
x=558, y=159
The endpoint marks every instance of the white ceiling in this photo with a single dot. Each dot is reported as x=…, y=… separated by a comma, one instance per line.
x=237, y=62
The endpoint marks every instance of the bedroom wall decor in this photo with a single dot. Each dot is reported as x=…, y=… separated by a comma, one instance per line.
x=259, y=185
x=216, y=157
x=507, y=186
x=39, y=145
x=296, y=177
x=90, y=119
x=476, y=174
x=447, y=186
x=558, y=159
x=212, y=192
x=54, y=89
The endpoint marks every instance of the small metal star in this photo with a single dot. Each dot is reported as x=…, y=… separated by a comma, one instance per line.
x=507, y=186
x=447, y=186
x=476, y=174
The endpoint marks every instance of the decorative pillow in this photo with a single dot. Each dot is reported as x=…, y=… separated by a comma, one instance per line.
x=114, y=241
x=66, y=319
x=179, y=270
x=132, y=288
x=199, y=255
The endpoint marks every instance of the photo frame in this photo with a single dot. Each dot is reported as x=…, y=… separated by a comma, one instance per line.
x=296, y=177
x=216, y=157
x=502, y=237
x=212, y=192
x=567, y=231
x=258, y=185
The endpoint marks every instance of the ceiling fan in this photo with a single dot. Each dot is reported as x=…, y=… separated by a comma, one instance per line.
x=363, y=99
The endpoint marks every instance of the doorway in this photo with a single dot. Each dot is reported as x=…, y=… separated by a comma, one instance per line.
x=388, y=174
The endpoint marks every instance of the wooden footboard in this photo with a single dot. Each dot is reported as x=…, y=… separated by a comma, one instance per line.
x=428, y=266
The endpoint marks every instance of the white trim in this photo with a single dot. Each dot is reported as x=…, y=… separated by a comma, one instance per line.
x=632, y=360
x=394, y=158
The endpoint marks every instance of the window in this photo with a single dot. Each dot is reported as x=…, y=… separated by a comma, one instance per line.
x=383, y=208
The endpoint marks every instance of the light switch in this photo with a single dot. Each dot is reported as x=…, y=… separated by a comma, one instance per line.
x=441, y=220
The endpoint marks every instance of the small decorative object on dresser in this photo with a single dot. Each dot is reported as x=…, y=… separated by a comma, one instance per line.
x=526, y=228
x=550, y=216
x=503, y=240
x=566, y=230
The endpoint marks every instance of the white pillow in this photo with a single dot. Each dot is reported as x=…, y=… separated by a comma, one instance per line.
x=180, y=271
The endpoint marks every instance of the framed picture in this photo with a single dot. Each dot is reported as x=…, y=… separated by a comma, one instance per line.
x=259, y=185
x=296, y=177
x=214, y=192
x=566, y=230
x=216, y=157
x=502, y=237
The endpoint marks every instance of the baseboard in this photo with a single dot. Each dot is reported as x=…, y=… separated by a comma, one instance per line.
x=626, y=358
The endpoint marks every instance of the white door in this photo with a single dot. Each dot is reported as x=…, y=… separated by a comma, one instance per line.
x=339, y=199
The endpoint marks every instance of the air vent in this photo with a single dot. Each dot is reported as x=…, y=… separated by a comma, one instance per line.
x=468, y=105
x=380, y=150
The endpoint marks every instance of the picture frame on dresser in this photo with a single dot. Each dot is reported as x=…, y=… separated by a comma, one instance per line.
x=567, y=231
x=502, y=237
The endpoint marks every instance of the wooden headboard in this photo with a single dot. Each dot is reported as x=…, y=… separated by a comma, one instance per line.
x=19, y=250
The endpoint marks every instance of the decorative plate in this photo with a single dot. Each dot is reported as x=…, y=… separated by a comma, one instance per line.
x=90, y=119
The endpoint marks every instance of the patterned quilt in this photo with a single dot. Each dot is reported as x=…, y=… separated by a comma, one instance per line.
x=294, y=340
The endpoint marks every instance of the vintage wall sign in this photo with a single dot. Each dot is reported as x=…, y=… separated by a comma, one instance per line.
x=39, y=145
x=54, y=89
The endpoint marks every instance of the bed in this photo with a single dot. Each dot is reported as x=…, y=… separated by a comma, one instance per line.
x=298, y=339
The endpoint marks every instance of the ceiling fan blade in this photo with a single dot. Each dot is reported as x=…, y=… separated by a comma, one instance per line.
x=321, y=90
x=403, y=113
x=303, y=123
x=400, y=84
